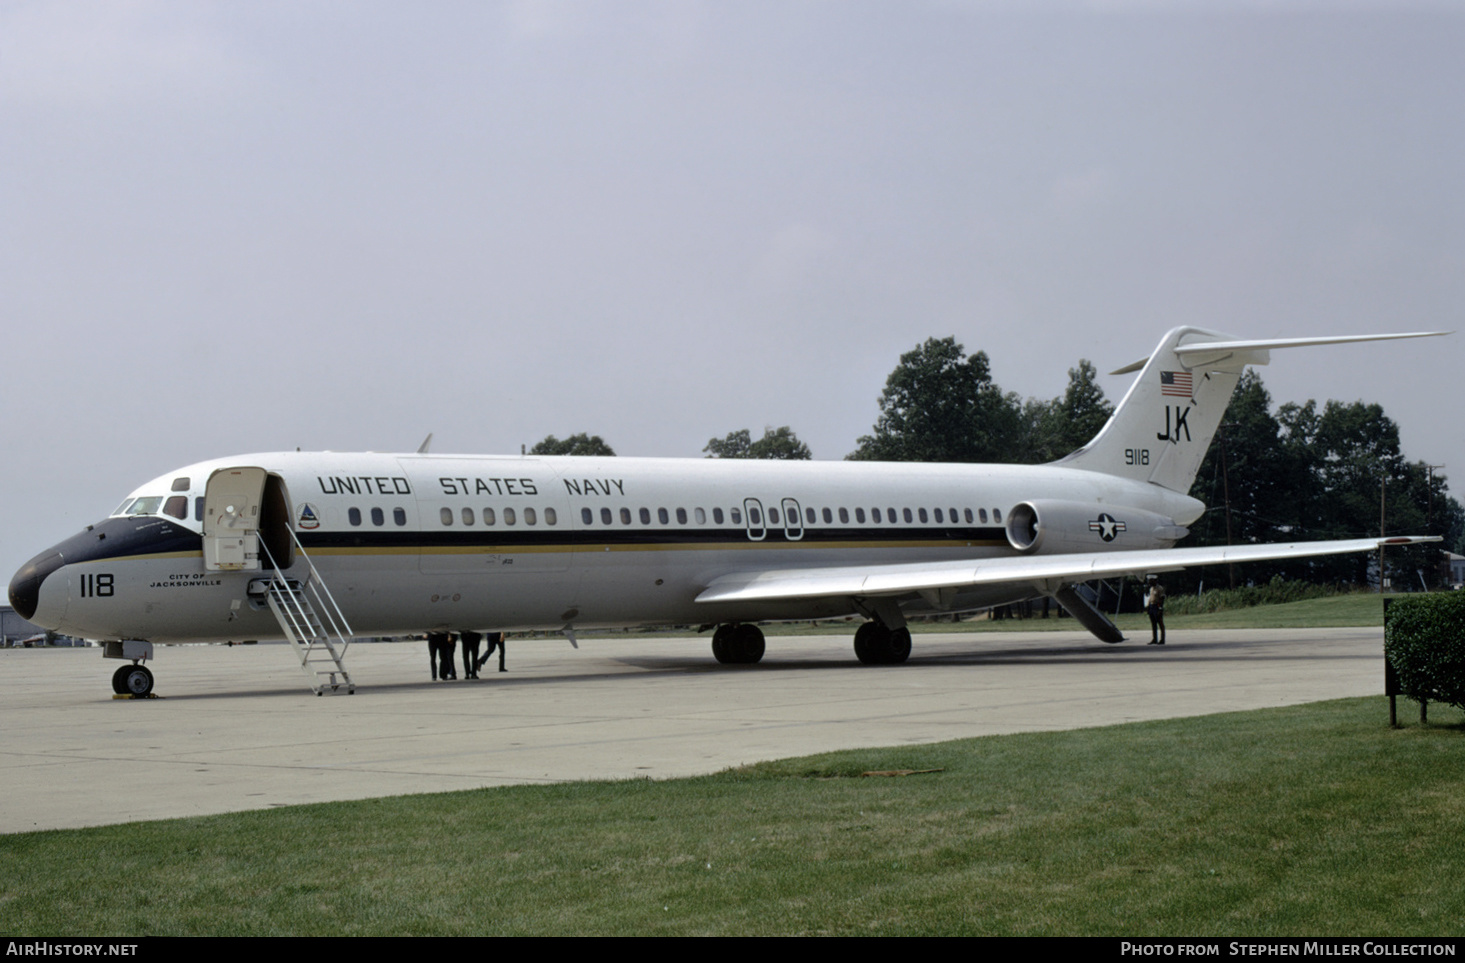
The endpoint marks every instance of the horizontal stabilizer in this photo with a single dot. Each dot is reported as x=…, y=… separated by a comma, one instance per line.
x=863, y=581
x=1254, y=352
x=1160, y=431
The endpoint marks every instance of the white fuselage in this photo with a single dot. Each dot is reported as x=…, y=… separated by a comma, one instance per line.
x=410, y=543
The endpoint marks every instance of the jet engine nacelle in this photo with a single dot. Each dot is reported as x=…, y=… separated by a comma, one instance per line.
x=1049, y=527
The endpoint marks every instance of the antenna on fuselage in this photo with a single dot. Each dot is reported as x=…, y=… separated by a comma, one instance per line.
x=422, y=448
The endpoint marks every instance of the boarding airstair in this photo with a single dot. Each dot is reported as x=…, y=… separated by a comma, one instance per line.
x=313, y=623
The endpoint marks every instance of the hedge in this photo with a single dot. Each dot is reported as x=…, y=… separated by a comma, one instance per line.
x=1424, y=640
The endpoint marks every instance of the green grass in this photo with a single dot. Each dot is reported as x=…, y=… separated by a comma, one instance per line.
x=1316, y=819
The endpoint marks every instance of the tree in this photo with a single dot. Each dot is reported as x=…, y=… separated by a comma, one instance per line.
x=1057, y=427
x=940, y=405
x=777, y=444
x=1250, y=480
x=581, y=444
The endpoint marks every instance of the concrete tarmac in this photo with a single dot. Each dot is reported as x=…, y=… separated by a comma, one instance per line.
x=236, y=728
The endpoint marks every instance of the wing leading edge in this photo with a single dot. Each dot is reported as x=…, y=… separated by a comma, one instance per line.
x=1043, y=572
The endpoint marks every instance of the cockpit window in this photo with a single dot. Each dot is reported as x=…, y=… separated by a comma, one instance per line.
x=147, y=505
x=181, y=484
x=177, y=506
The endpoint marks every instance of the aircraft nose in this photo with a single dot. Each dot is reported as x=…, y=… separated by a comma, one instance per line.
x=25, y=587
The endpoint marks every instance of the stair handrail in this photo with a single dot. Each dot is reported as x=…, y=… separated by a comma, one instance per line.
x=329, y=609
x=291, y=606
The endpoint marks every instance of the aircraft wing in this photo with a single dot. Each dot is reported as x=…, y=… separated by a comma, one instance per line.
x=905, y=577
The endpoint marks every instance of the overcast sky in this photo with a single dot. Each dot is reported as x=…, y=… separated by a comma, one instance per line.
x=228, y=228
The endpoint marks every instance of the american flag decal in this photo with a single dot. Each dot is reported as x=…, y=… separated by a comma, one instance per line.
x=1176, y=383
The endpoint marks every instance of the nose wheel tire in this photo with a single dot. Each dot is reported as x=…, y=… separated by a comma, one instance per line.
x=133, y=680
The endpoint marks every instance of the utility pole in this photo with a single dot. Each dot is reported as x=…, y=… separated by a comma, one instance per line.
x=1383, y=483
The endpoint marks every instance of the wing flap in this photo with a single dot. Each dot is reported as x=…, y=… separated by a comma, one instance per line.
x=902, y=578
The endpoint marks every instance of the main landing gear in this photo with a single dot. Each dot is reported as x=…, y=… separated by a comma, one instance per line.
x=133, y=680
x=737, y=644
x=877, y=645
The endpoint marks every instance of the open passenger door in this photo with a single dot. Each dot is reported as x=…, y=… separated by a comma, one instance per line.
x=231, y=519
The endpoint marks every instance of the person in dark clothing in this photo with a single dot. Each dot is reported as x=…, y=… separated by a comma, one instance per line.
x=495, y=639
x=471, y=662
x=449, y=668
x=1155, y=606
x=435, y=642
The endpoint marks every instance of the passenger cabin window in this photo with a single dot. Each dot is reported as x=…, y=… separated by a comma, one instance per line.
x=488, y=517
x=353, y=515
x=467, y=516
x=586, y=517
x=829, y=516
x=663, y=517
x=549, y=517
x=922, y=512
x=377, y=517
x=982, y=513
x=717, y=515
x=968, y=513
x=399, y=515
x=605, y=515
x=529, y=518
x=645, y=516
x=681, y=516
x=859, y=515
x=446, y=515
x=509, y=518
x=737, y=516
x=907, y=516
x=700, y=515
x=625, y=516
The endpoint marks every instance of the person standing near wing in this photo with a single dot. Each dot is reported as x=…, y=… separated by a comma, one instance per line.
x=1155, y=606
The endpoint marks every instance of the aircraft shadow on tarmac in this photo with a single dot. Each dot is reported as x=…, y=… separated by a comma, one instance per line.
x=648, y=667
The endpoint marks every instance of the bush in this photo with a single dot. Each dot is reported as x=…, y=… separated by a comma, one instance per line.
x=1424, y=640
x=1275, y=592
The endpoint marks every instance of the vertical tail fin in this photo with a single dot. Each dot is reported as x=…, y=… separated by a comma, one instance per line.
x=1162, y=428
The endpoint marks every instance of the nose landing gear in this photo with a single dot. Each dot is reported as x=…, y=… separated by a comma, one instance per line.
x=133, y=680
